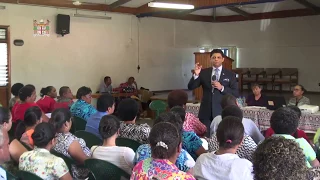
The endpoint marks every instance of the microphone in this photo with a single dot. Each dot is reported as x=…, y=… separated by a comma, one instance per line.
x=214, y=78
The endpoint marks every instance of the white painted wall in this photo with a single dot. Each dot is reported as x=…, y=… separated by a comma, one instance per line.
x=96, y=48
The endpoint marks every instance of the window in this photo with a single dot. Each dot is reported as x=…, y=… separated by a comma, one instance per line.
x=3, y=58
x=225, y=51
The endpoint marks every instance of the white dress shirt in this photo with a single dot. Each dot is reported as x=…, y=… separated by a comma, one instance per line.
x=213, y=73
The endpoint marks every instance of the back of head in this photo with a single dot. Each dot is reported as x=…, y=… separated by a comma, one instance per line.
x=128, y=109
x=32, y=116
x=109, y=126
x=16, y=88
x=164, y=140
x=45, y=91
x=170, y=117
x=230, y=132
x=232, y=110
x=179, y=110
x=284, y=121
x=5, y=115
x=177, y=98
x=83, y=91
x=63, y=90
x=43, y=134
x=296, y=109
x=104, y=102
x=26, y=92
x=59, y=117
x=228, y=100
x=279, y=158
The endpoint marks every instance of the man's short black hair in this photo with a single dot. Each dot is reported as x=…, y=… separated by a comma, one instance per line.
x=232, y=111
x=104, y=102
x=128, y=109
x=228, y=100
x=296, y=109
x=216, y=51
x=284, y=121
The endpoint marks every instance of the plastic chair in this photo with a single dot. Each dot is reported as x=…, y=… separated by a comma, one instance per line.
x=25, y=175
x=102, y=170
x=158, y=106
x=128, y=143
x=89, y=138
x=79, y=124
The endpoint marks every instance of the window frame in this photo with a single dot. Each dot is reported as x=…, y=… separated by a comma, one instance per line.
x=7, y=41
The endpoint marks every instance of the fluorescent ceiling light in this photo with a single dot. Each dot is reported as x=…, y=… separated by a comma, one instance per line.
x=91, y=16
x=170, y=5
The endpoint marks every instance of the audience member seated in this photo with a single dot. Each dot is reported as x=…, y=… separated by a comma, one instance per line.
x=105, y=106
x=247, y=147
x=184, y=161
x=4, y=142
x=15, y=92
x=106, y=86
x=250, y=128
x=25, y=128
x=130, y=86
x=83, y=108
x=127, y=111
x=109, y=151
x=5, y=119
x=40, y=161
x=256, y=99
x=225, y=163
x=279, y=158
x=27, y=96
x=298, y=98
x=65, y=99
x=284, y=121
x=165, y=142
x=46, y=103
x=68, y=144
x=297, y=134
x=191, y=123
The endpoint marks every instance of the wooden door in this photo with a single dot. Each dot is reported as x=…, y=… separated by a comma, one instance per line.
x=4, y=66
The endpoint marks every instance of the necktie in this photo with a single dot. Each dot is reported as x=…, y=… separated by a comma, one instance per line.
x=216, y=73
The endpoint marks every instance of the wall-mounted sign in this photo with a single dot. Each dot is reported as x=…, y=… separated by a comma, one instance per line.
x=41, y=28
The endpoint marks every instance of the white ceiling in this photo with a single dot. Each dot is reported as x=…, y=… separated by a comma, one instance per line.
x=132, y=3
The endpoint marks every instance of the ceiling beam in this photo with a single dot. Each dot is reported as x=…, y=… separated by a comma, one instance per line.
x=118, y=3
x=239, y=11
x=309, y=5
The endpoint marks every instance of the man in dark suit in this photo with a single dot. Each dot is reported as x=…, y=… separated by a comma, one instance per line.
x=224, y=83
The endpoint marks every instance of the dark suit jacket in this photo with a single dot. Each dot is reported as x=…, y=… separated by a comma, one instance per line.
x=210, y=106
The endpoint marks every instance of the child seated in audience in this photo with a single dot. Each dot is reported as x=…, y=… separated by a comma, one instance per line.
x=127, y=112
x=46, y=103
x=65, y=99
x=119, y=156
x=68, y=144
x=165, y=142
x=40, y=161
x=225, y=164
x=15, y=92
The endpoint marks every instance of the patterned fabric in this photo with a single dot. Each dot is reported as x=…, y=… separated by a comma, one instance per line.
x=192, y=123
x=63, y=143
x=245, y=150
x=43, y=164
x=158, y=169
x=304, y=100
x=191, y=143
x=135, y=132
x=82, y=109
x=314, y=173
x=184, y=161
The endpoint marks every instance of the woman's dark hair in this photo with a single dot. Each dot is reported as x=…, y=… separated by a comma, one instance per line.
x=104, y=102
x=228, y=100
x=16, y=88
x=26, y=92
x=284, y=121
x=232, y=110
x=230, y=132
x=164, y=140
x=43, y=134
x=5, y=115
x=170, y=117
x=31, y=117
x=59, y=117
x=302, y=88
x=179, y=110
x=62, y=90
x=177, y=98
x=109, y=125
x=83, y=91
x=45, y=91
x=128, y=109
x=280, y=159
x=216, y=51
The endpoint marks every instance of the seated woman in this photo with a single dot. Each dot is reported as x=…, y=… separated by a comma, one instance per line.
x=15, y=92
x=184, y=161
x=83, y=108
x=109, y=151
x=40, y=161
x=27, y=96
x=127, y=112
x=165, y=142
x=25, y=128
x=225, y=163
x=131, y=83
x=299, y=99
x=68, y=144
x=46, y=103
x=256, y=99
x=65, y=99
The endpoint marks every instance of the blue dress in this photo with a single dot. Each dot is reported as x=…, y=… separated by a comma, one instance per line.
x=191, y=143
x=82, y=109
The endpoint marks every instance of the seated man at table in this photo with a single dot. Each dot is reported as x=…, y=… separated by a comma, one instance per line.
x=106, y=86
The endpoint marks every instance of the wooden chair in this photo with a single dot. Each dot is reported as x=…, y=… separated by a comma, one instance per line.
x=128, y=143
x=269, y=77
x=288, y=76
x=240, y=72
x=89, y=138
x=252, y=76
x=25, y=175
